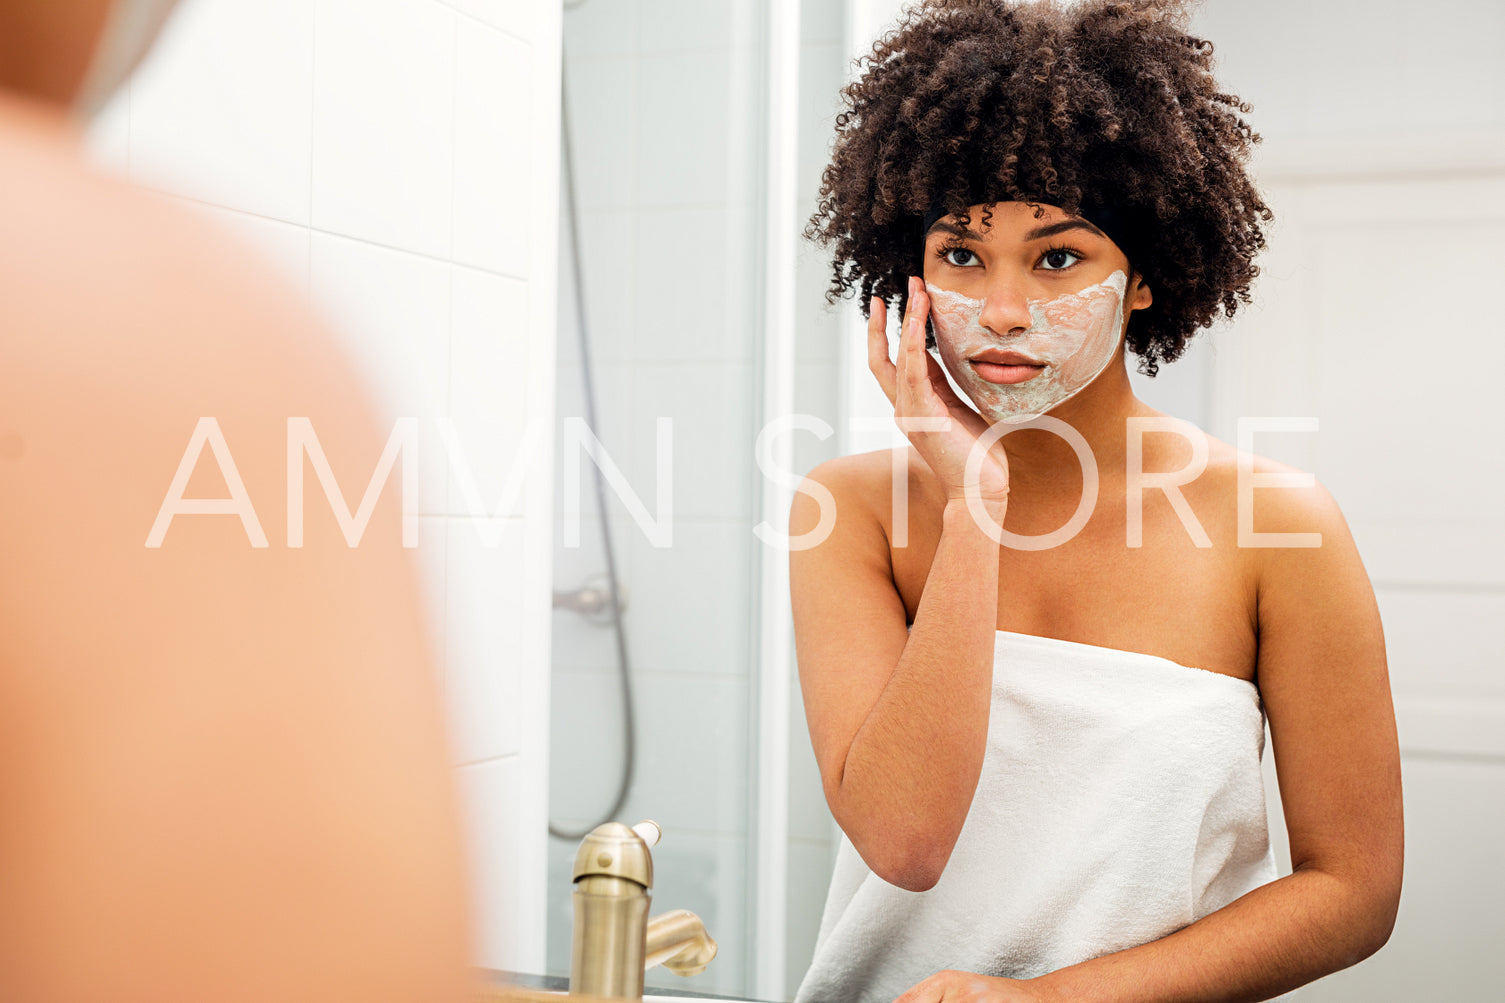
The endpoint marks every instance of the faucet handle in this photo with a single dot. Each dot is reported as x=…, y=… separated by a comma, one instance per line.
x=612, y=850
x=648, y=831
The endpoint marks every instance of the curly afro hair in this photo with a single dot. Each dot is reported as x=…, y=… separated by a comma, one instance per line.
x=1108, y=102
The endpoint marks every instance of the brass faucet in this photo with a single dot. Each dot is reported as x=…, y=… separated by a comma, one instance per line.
x=614, y=939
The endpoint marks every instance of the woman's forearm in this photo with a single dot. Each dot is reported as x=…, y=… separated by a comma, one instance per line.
x=913, y=766
x=1281, y=935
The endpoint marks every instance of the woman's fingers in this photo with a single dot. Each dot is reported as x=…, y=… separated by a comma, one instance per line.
x=906, y=360
x=915, y=364
x=932, y=415
x=877, y=348
x=943, y=389
x=912, y=381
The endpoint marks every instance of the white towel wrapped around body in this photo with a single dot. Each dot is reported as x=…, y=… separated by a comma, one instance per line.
x=1120, y=800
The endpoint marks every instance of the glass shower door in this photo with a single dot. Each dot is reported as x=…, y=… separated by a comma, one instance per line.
x=664, y=112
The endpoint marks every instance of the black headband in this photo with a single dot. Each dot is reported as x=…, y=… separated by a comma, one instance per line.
x=1112, y=221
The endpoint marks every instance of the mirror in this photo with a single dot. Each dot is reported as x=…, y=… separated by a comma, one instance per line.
x=383, y=167
x=1371, y=161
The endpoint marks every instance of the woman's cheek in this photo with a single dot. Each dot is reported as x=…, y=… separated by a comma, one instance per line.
x=1094, y=346
x=1081, y=311
x=949, y=337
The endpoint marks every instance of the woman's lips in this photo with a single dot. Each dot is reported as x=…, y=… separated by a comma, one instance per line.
x=995, y=372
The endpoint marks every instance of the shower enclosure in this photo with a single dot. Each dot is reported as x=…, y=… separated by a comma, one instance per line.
x=681, y=202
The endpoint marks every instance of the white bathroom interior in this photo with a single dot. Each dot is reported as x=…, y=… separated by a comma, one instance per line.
x=406, y=163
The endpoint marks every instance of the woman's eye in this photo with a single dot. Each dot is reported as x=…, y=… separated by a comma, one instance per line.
x=1054, y=259
x=947, y=252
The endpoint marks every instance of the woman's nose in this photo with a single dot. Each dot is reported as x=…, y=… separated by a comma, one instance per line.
x=1006, y=311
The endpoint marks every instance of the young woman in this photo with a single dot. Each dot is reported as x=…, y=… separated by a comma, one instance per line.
x=1038, y=647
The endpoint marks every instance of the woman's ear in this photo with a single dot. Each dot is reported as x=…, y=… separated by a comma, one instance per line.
x=1139, y=293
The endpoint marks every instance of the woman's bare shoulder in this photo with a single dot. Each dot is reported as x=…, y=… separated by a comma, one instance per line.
x=1270, y=511
x=129, y=323
x=142, y=340
x=862, y=472
x=866, y=481
x=1278, y=491
x=131, y=315
x=92, y=261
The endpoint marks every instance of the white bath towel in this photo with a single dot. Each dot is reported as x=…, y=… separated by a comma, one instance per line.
x=1120, y=800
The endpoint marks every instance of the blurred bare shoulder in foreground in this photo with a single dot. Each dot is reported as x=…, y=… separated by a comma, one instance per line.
x=225, y=774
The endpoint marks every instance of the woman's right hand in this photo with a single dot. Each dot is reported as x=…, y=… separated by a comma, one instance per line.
x=917, y=388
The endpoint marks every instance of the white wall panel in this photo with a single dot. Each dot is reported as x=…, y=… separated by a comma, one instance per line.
x=1447, y=933
x=1375, y=316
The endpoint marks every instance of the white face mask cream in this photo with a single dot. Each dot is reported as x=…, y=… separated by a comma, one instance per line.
x=130, y=29
x=1070, y=340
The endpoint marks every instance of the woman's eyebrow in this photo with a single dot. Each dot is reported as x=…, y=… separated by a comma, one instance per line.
x=1048, y=230
x=1051, y=229
x=954, y=228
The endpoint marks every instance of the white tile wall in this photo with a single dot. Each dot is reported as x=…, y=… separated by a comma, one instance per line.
x=588, y=644
x=810, y=866
x=528, y=20
x=810, y=819
x=618, y=443
x=507, y=865
x=822, y=73
x=611, y=29
x=494, y=403
x=586, y=776
x=666, y=25
x=484, y=597
x=604, y=99
x=822, y=23
x=690, y=773
x=694, y=612
x=383, y=112
x=493, y=187
x=812, y=848
x=679, y=166
x=224, y=114
x=611, y=292
x=397, y=160
x=693, y=288
x=392, y=308
x=714, y=471
x=286, y=245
